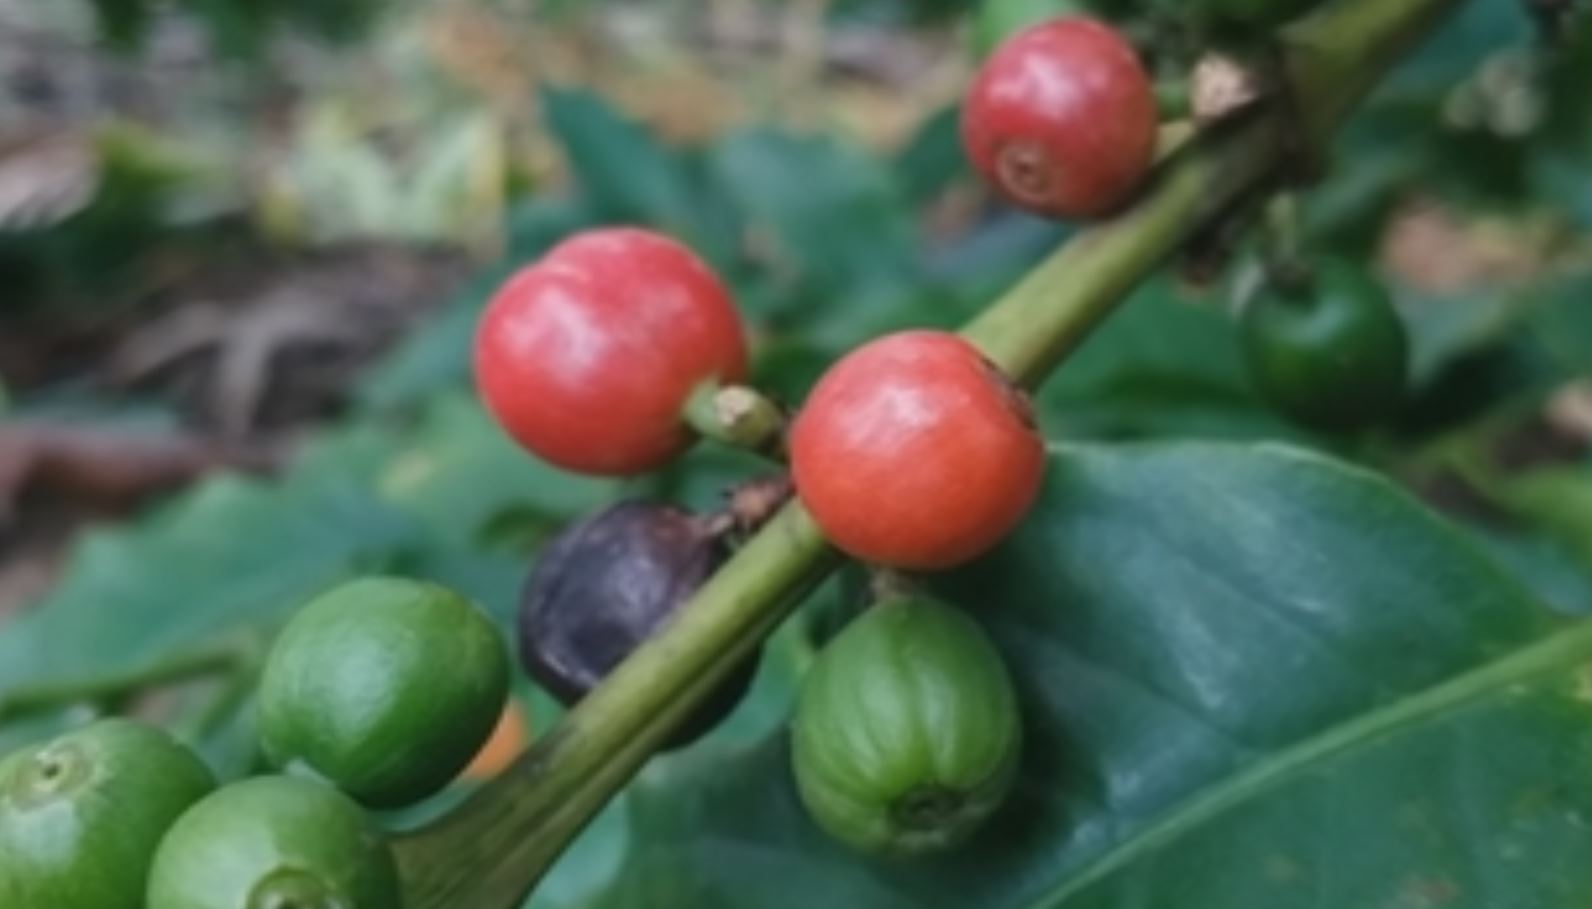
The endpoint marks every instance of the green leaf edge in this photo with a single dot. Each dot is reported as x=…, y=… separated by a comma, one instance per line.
x=1555, y=653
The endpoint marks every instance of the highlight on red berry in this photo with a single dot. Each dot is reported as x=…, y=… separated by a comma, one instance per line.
x=587, y=357
x=916, y=452
x=1062, y=119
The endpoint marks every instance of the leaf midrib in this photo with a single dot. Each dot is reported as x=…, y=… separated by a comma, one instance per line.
x=1557, y=652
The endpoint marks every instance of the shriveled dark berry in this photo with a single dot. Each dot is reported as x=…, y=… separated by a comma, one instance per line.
x=608, y=583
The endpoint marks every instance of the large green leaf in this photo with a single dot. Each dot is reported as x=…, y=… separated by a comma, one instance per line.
x=1477, y=30
x=623, y=168
x=1251, y=677
x=932, y=159
x=484, y=504
x=629, y=175
x=236, y=554
x=235, y=548
x=1552, y=567
x=1562, y=323
x=833, y=212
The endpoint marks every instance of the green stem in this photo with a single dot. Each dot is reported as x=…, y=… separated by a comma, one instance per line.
x=735, y=415
x=1336, y=56
x=1283, y=246
x=1050, y=312
x=488, y=853
x=208, y=659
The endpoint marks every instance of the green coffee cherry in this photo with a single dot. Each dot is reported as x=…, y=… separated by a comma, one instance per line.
x=1332, y=353
x=385, y=687
x=81, y=816
x=274, y=842
x=906, y=735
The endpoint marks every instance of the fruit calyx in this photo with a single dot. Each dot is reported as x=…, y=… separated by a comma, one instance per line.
x=54, y=771
x=292, y=888
x=1027, y=172
x=928, y=808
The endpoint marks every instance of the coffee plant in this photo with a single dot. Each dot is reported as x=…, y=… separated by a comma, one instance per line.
x=1161, y=540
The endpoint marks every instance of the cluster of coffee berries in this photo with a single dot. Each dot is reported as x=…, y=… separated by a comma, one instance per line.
x=353, y=714
x=914, y=452
x=1061, y=120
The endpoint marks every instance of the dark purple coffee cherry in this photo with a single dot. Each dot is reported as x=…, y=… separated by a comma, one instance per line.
x=608, y=583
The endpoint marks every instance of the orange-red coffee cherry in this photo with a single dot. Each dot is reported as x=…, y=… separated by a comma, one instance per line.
x=916, y=452
x=1062, y=119
x=587, y=357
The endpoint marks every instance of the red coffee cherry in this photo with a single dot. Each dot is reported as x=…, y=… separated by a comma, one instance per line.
x=916, y=452
x=1062, y=119
x=587, y=356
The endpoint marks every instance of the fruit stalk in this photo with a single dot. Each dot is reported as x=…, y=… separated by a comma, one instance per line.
x=735, y=415
x=1283, y=243
x=494, y=848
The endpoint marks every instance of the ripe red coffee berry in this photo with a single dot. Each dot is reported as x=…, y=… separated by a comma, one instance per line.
x=1062, y=119
x=587, y=357
x=914, y=451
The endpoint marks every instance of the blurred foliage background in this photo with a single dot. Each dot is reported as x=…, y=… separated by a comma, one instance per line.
x=243, y=244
